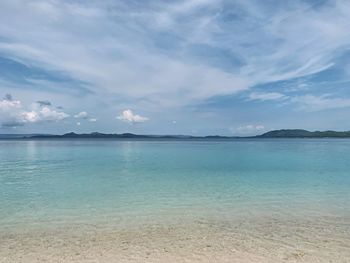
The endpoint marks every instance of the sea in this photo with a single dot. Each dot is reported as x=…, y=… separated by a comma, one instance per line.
x=213, y=200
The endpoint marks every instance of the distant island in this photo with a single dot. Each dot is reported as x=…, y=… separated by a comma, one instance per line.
x=284, y=133
x=299, y=133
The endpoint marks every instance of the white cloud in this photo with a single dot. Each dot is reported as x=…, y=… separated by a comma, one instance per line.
x=129, y=116
x=93, y=120
x=48, y=114
x=82, y=115
x=249, y=129
x=13, y=113
x=30, y=116
x=6, y=105
x=264, y=96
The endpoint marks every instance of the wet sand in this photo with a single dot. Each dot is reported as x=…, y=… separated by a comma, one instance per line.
x=260, y=240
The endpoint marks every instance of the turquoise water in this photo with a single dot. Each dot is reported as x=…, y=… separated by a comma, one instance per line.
x=48, y=183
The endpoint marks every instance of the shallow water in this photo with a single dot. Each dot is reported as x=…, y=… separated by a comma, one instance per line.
x=279, y=199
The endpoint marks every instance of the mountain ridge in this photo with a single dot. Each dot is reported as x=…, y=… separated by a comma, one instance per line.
x=282, y=133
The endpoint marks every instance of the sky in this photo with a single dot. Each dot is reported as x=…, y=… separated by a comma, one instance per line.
x=196, y=67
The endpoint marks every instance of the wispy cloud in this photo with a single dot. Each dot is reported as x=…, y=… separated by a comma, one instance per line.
x=319, y=103
x=266, y=96
x=120, y=48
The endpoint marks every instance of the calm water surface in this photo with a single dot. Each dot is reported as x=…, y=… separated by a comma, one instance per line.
x=49, y=183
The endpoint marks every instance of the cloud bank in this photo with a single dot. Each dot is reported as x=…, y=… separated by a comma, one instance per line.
x=14, y=114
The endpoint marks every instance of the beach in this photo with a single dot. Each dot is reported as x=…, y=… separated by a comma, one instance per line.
x=201, y=241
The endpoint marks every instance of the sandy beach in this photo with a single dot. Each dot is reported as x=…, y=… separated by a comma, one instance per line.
x=259, y=241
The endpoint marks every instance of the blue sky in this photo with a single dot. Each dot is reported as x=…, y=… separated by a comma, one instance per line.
x=174, y=67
